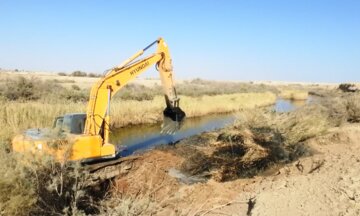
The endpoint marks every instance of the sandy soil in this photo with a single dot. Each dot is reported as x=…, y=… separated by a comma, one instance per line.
x=327, y=183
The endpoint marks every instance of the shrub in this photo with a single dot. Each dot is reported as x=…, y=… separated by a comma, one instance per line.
x=21, y=89
x=78, y=74
x=303, y=124
x=75, y=95
x=17, y=192
x=75, y=87
x=353, y=108
x=199, y=81
x=24, y=89
x=347, y=87
x=41, y=186
x=138, y=92
x=93, y=75
x=62, y=74
x=341, y=108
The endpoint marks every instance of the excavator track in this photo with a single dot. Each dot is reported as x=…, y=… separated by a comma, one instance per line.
x=100, y=172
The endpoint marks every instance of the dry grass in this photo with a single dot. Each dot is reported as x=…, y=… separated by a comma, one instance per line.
x=353, y=108
x=37, y=185
x=302, y=124
x=17, y=116
x=17, y=193
x=119, y=205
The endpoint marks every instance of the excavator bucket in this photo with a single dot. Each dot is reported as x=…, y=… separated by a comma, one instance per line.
x=173, y=119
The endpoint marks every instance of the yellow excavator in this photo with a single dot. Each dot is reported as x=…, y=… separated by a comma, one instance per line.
x=87, y=135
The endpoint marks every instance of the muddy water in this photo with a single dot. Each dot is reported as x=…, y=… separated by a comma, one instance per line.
x=142, y=137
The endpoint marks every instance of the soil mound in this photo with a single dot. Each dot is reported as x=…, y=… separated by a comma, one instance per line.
x=149, y=175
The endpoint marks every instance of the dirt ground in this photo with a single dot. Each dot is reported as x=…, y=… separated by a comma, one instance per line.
x=327, y=183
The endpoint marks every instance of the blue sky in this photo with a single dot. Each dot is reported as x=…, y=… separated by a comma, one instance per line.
x=289, y=40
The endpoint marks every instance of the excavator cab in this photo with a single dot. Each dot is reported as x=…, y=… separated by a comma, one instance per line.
x=70, y=123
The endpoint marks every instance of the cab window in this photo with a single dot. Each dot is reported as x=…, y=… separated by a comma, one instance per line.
x=78, y=125
x=66, y=126
x=58, y=122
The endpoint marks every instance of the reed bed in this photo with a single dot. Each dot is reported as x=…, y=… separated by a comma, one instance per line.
x=17, y=116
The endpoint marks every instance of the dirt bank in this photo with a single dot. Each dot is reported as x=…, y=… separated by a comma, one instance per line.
x=326, y=183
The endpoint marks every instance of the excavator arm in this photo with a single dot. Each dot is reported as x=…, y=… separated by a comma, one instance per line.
x=98, y=110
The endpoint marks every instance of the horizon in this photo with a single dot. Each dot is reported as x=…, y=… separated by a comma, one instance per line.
x=246, y=41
